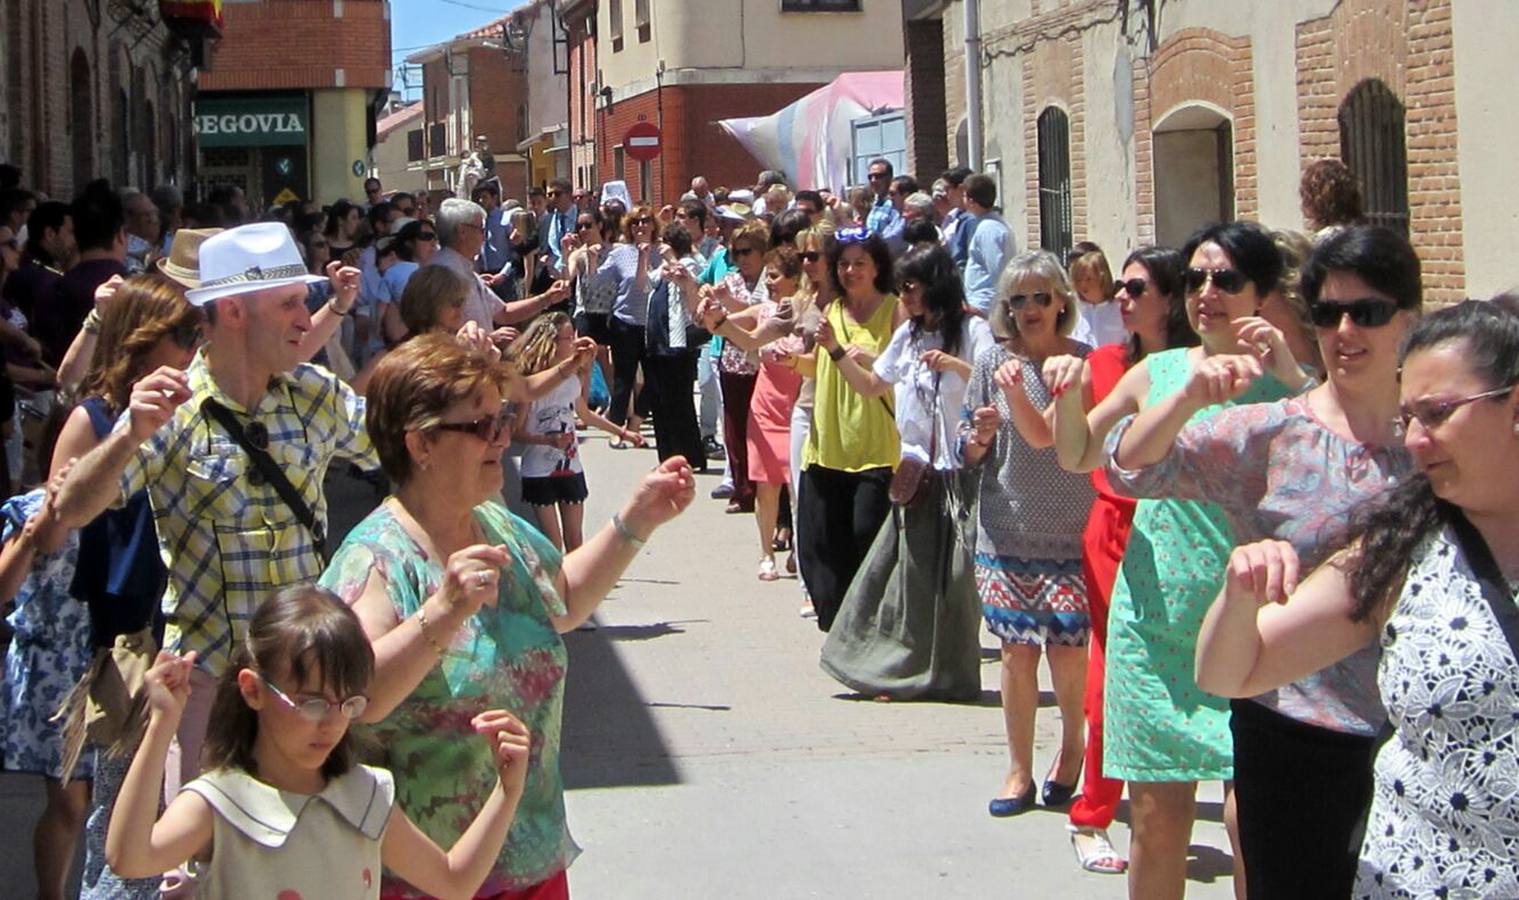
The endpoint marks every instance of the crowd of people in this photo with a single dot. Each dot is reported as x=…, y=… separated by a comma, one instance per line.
x=1252, y=502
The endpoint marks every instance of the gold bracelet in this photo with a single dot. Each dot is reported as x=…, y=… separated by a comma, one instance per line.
x=422, y=627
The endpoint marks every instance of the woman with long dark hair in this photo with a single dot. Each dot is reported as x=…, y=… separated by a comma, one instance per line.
x=909, y=625
x=1153, y=305
x=1426, y=577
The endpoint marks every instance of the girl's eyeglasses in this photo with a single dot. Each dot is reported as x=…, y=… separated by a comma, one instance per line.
x=1367, y=312
x=316, y=709
x=1433, y=413
x=486, y=428
x=1230, y=281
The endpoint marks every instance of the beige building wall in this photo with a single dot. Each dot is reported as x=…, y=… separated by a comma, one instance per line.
x=718, y=41
x=547, y=93
x=1488, y=134
x=339, y=117
x=391, y=165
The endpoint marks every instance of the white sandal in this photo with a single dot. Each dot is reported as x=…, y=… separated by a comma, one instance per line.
x=1094, y=852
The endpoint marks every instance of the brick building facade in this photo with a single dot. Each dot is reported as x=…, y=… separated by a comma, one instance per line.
x=1137, y=122
x=93, y=90
x=328, y=60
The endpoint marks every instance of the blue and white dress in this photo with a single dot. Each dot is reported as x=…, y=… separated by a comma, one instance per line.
x=49, y=653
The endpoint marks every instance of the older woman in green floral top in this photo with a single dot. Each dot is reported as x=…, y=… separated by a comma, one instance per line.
x=464, y=604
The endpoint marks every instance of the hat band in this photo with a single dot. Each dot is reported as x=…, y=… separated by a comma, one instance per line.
x=256, y=274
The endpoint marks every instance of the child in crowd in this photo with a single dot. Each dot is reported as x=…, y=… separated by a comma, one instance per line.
x=1101, y=321
x=553, y=478
x=283, y=809
x=48, y=653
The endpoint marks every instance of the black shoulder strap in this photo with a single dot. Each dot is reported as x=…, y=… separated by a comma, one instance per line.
x=272, y=474
x=1494, y=586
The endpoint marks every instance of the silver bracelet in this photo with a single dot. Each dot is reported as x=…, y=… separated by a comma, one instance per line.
x=626, y=532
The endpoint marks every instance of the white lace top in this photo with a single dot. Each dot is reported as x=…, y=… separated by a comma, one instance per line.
x=1445, y=809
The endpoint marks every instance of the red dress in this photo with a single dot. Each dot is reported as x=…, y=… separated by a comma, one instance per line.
x=1102, y=544
x=769, y=432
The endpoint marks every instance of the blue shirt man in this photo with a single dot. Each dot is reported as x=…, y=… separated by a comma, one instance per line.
x=561, y=221
x=883, y=213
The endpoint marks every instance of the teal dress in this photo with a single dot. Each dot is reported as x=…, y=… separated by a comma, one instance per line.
x=1160, y=725
x=508, y=656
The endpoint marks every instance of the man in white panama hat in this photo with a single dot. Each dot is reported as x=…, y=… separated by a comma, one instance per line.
x=194, y=440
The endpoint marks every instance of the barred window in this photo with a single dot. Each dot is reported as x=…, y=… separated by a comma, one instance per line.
x=1055, y=220
x=1372, y=145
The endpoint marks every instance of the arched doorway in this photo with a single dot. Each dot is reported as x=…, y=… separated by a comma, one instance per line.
x=1372, y=144
x=1055, y=220
x=1193, y=152
x=81, y=118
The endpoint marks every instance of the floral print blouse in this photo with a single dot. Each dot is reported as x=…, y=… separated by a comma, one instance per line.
x=508, y=656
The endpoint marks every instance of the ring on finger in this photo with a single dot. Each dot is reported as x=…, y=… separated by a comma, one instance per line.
x=482, y=578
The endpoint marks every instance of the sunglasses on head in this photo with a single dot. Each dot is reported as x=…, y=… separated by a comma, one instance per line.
x=486, y=428
x=851, y=235
x=1367, y=312
x=1134, y=286
x=1433, y=413
x=1042, y=299
x=1230, y=281
x=187, y=335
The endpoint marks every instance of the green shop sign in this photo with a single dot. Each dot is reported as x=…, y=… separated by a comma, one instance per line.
x=251, y=121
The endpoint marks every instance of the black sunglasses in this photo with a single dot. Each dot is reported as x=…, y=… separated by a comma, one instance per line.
x=641, y=220
x=582, y=226
x=187, y=335
x=876, y=176
x=1367, y=312
x=426, y=236
x=1230, y=281
x=1134, y=286
x=486, y=428
x=810, y=256
x=743, y=251
x=1018, y=301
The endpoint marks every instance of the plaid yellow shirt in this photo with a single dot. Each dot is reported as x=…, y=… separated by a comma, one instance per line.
x=225, y=535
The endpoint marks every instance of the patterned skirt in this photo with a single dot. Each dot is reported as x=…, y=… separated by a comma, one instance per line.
x=1033, y=601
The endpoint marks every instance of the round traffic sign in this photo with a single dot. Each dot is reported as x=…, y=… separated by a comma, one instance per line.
x=643, y=141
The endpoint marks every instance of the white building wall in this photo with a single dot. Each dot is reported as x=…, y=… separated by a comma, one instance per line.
x=1488, y=132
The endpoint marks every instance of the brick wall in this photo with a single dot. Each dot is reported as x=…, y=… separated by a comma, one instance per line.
x=927, y=137
x=118, y=137
x=1052, y=58
x=693, y=143
x=1196, y=66
x=295, y=44
x=1409, y=48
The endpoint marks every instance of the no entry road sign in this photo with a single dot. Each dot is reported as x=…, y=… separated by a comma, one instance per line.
x=643, y=141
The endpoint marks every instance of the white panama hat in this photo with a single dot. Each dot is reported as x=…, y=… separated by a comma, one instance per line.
x=249, y=258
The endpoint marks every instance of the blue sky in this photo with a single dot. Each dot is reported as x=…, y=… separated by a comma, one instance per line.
x=415, y=24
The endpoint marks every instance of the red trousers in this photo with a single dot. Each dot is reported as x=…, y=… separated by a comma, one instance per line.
x=1103, y=542
x=556, y=888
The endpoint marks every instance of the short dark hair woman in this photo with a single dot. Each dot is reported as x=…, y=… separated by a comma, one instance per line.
x=1424, y=581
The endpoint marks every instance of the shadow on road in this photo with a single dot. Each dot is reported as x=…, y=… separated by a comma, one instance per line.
x=609, y=737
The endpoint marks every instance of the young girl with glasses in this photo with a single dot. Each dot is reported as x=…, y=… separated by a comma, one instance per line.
x=284, y=809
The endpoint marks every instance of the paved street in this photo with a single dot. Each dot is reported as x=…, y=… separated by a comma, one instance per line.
x=707, y=755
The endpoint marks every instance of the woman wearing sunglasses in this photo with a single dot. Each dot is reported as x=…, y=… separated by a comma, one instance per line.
x=1162, y=734
x=147, y=323
x=1292, y=471
x=464, y=602
x=1424, y=578
x=1028, y=546
x=631, y=264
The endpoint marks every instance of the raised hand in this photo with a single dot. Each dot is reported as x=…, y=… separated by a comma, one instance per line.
x=1063, y=374
x=1262, y=572
x=344, y=278
x=662, y=495
x=558, y=291
x=824, y=337
x=107, y=289
x=472, y=337
x=154, y=400
x=511, y=745
x=1219, y=379
x=1009, y=377
x=585, y=351
x=167, y=684
x=984, y=423
x=1269, y=345
x=472, y=578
